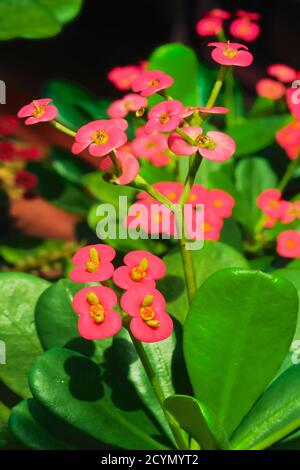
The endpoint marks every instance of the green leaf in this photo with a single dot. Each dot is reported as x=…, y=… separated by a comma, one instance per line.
x=23, y=250
x=253, y=175
x=212, y=257
x=19, y=293
x=292, y=275
x=27, y=429
x=68, y=166
x=4, y=414
x=106, y=192
x=263, y=107
x=275, y=415
x=181, y=63
x=187, y=412
x=56, y=322
x=236, y=336
x=167, y=361
x=76, y=105
x=255, y=134
x=93, y=399
x=34, y=19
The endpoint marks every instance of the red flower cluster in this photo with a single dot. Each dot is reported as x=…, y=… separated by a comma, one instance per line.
x=275, y=89
x=141, y=301
x=153, y=217
x=243, y=27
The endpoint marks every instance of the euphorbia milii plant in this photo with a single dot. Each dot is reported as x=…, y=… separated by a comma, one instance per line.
x=187, y=342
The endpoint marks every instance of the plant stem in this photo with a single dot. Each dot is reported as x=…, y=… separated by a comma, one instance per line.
x=288, y=174
x=62, y=128
x=217, y=86
x=141, y=183
x=155, y=383
x=186, y=137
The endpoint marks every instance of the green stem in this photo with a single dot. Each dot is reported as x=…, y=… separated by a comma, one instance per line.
x=217, y=87
x=115, y=162
x=187, y=138
x=155, y=383
x=62, y=128
x=141, y=183
x=288, y=174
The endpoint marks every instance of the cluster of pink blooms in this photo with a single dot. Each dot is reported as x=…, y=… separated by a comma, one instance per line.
x=106, y=139
x=141, y=301
x=243, y=27
x=276, y=89
x=276, y=210
x=289, y=136
x=154, y=218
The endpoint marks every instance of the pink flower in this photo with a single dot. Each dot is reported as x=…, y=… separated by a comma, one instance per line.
x=290, y=211
x=229, y=53
x=94, y=306
x=141, y=268
x=150, y=322
x=268, y=88
x=130, y=102
x=288, y=244
x=189, y=110
x=209, y=26
x=214, y=145
x=151, y=82
x=269, y=202
x=221, y=202
x=289, y=139
x=160, y=159
x=211, y=227
x=164, y=117
x=93, y=263
x=7, y=151
x=148, y=146
x=122, y=77
x=152, y=217
x=248, y=14
x=218, y=13
x=293, y=101
x=243, y=28
x=38, y=111
x=101, y=137
x=127, y=163
x=282, y=72
x=8, y=125
x=198, y=195
x=26, y=180
x=172, y=190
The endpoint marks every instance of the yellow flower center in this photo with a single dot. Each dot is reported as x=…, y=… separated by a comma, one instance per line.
x=93, y=262
x=273, y=203
x=139, y=272
x=39, y=109
x=229, y=52
x=290, y=244
x=164, y=118
x=147, y=313
x=100, y=137
x=153, y=83
x=192, y=198
x=97, y=311
x=218, y=203
x=206, y=227
x=171, y=195
x=204, y=141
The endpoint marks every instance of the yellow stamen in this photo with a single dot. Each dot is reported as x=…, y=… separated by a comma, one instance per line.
x=39, y=109
x=164, y=118
x=204, y=141
x=171, y=195
x=94, y=261
x=229, y=52
x=153, y=83
x=291, y=244
x=139, y=272
x=97, y=311
x=147, y=313
x=206, y=227
x=100, y=137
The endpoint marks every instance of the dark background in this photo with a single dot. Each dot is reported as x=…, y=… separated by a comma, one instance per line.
x=120, y=32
